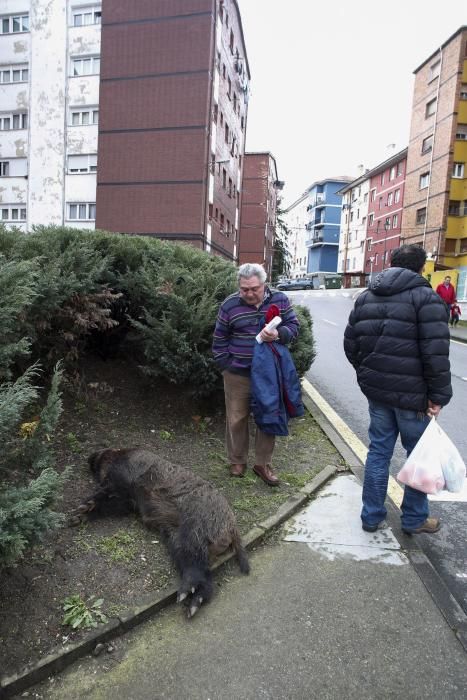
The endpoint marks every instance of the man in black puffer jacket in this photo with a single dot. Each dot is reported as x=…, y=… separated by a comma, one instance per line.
x=397, y=338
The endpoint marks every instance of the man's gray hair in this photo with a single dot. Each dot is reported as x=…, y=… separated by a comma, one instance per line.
x=248, y=270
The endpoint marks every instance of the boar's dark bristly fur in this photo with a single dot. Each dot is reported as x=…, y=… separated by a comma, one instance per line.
x=194, y=519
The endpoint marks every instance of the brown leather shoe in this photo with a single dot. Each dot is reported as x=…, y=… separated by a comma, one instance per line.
x=237, y=469
x=265, y=473
x=430, y=526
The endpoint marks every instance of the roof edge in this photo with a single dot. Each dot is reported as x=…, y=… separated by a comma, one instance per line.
x=448, y=41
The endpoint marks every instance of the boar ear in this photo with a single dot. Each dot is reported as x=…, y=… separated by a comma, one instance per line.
x=94, y=460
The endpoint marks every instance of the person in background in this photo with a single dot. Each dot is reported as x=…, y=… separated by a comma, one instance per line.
x=446, y=291
x=455, y=313
x=397, y=339
x=238, y=322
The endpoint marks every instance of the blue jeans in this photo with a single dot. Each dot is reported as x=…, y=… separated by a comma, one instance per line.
x=386, y=423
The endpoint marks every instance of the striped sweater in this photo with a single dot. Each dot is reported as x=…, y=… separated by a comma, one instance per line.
x=238, y=323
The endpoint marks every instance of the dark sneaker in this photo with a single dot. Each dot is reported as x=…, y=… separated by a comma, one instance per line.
x=369, y=528
x=430, y=526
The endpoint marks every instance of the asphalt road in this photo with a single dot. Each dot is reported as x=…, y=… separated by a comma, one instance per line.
x=334, y=378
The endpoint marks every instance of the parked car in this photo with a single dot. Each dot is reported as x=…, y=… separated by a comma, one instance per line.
x=290, y=285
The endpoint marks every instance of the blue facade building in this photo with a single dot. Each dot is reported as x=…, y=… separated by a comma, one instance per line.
x=323, y=226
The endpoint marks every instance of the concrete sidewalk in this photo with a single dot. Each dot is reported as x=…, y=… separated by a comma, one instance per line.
x=327, y=612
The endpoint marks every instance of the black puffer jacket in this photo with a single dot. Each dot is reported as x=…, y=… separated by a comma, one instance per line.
x=397, y=339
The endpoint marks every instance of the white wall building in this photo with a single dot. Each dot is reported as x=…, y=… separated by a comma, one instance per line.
x=296, y=216
x=352, y=237
x=49, y=111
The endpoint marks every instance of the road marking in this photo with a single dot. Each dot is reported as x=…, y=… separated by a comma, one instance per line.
x=459, y=342
x=395, y=492
x=331, y=322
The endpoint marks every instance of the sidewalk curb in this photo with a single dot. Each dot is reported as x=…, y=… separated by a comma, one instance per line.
x=59, y=660
x=436, y=587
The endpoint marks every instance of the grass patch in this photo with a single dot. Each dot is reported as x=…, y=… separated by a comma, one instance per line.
x=120, y=547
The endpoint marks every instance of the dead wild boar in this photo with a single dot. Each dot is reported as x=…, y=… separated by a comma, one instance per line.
x=193, y=518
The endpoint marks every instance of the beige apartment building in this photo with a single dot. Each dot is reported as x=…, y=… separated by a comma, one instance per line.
x=435, y=201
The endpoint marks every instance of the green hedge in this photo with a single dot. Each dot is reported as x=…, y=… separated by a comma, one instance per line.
x=162, y=298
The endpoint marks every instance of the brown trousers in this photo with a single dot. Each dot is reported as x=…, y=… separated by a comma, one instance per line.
x=237, y=407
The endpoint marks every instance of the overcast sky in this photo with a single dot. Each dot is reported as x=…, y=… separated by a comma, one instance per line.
x=332, y=80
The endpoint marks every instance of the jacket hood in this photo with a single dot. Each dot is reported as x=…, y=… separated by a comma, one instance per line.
x=395, y=280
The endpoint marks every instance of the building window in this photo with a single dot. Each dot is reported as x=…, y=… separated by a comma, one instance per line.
x=461, y=132
x=90, y=65
x=365, y=197
x=4, y=168
x=364, y=221
x=390, y=197
x=82, y=163
x=351, y=216
x=231, y=42
x=224, y=178
x=394, y=221
x=380, y=203
x=14, y=213
x=382, y=178
x=458, y=170
x=230, y=186
x=387, y=223
x=420, y=217
x=454, y=208
x=373, y=195
x=392, y=173
x=226, y=133
x=397, y=196
x=229, y=88
x=371, y=218
x=430, y=108
x=14, y=74
x=427, y=144
x=400, y=168
x=15, y=24
x=424, y=180
x=85, y=117
x=85, y=211
x=87, y=15
x=434, y=70
x=13, y=121
x=463, y=91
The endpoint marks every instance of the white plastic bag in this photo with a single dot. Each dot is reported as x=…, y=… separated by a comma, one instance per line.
x=452, y=463
x=434, y=463
x=423, y=469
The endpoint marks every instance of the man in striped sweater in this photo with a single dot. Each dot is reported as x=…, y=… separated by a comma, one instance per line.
x=238, y=323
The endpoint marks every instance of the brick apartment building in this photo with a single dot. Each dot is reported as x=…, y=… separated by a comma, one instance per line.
x=435, y=202
x=259, y=202
x=385, y=202
x=132, y=119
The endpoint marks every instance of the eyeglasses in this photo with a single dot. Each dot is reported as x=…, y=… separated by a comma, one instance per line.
x=245, y=290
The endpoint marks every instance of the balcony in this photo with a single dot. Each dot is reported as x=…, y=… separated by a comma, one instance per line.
x=316, y=239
